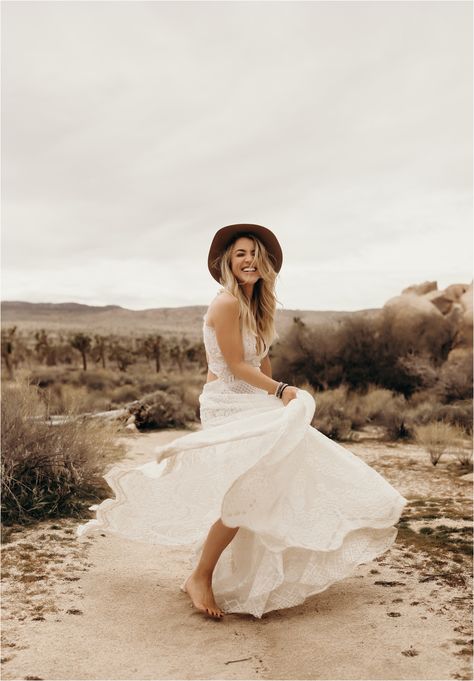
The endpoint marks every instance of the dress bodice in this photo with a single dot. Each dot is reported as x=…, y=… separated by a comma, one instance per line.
x=215, y=359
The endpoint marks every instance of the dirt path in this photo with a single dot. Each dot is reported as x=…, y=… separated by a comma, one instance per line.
x=111, y=609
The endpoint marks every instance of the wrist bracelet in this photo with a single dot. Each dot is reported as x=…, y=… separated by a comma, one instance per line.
x=281, y=388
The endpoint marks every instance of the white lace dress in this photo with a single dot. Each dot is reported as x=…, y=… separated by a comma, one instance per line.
x=308, y=510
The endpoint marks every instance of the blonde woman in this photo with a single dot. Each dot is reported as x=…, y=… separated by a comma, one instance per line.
x=275, y=510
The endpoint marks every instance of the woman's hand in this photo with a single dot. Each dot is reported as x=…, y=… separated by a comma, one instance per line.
x=289, y=393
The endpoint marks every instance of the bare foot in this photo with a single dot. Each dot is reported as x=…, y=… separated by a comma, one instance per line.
x=200, y=591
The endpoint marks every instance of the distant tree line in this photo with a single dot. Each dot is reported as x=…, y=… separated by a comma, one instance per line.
x=122, y=352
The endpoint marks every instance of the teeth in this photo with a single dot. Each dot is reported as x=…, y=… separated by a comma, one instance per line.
x=249, y=269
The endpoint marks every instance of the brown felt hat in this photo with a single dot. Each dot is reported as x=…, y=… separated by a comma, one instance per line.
x=226, y=234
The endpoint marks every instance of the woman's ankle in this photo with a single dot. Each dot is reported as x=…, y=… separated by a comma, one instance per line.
x=203, y=574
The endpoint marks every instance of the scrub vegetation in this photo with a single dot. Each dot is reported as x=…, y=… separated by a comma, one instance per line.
x=368, y=378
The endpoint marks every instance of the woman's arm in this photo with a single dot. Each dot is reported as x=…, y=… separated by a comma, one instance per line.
x=229, y=339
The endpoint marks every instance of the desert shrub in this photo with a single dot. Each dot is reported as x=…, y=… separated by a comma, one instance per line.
x=437, y=437
x=363, y=350
x=102, y=389
x=421, y=368
x=148, y=383
x=423, y=395
x=393, y=417
x=426, y=405
x=376, y=400
x=67, y=399
x=446, y=382
x=161, y=410
x=396, y=423
x=455, y=381
x=95, y=379
x=464, y=456
x=188, y=388
x=457, y=414
x=420, y=413
x=337, y=427
x=307, y=355
x=330, y=416
x=50, y=471
x=124, y=394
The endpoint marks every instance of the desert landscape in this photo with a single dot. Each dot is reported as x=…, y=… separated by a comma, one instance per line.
x=397, y=393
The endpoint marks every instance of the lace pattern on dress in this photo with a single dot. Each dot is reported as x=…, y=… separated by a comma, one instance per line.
x=215, y=358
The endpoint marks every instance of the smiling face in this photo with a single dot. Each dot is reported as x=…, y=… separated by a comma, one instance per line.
x=242, y=257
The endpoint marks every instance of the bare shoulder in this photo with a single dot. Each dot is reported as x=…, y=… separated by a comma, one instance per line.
x=224, y=307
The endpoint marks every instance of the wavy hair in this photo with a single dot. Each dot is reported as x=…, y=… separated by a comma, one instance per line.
x=257, y=315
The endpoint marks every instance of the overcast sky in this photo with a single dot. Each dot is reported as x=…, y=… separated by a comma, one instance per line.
x=132, y=131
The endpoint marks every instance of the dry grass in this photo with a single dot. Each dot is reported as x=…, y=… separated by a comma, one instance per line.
x=438, y=437
x=341, y=411
x=50, y=471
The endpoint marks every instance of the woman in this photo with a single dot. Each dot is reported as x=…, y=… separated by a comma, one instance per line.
x=289, y=510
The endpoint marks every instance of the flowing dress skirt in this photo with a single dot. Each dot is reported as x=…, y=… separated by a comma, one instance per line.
x=309, y=511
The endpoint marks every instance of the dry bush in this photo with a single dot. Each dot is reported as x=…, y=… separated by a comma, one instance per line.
x=188, y=388
x=340, y=411
x=361, y=350
x=376, y=400
x=389, y=410
x=50, y=471
x=396, y=422
x=437, y=437
x=420, y=367
x=96, y=389
x=69, y=399
x=330, y=417
x=455, y=380
x=446, y=382
x=161, y=410
x=307, y=355
x=457, y=413
x=425, y=406
x=420, y=413
x=464, y=456
x=124, y=394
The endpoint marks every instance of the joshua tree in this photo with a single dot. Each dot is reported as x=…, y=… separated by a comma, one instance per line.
x=178, y=350
x=42, y=345
x=7, y=349
x=152, y=350
x=98, y=350
x=81, y=342
x=122, y=355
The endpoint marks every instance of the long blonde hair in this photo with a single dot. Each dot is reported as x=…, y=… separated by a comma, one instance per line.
x=257, y=315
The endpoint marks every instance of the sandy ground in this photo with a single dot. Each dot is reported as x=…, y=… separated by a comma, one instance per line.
x=105, y=608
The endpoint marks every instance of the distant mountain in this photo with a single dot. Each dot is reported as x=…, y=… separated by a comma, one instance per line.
x=116, y=319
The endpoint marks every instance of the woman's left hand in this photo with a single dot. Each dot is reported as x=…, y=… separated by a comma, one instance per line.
x=288, y=394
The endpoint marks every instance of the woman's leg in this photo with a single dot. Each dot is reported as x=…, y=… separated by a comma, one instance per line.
x=199, y=583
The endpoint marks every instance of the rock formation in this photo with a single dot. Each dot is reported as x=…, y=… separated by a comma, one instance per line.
x=426, y=310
